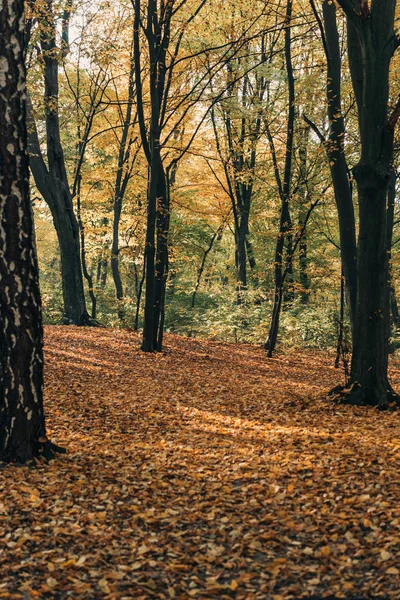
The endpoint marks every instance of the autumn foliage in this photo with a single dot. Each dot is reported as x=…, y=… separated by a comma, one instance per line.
x=202, y=472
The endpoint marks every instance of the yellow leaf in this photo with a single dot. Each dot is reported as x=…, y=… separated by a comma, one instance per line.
x=234, y=585
x=385, y=555
x=325, y=551
x=104, y=586
x=69, y=563
x=51, y=582
x=80, y=561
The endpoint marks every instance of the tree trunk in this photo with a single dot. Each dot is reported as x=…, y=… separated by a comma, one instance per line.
x=285, y=220
x=52, y=180
x=371, y=44
x=304, y=197
x=369, y=363
x=149, y=342
x=88, y=276
x=334, y=147
x=162, y=228
x=115, y=259
x=22, y=422
x=67, y=229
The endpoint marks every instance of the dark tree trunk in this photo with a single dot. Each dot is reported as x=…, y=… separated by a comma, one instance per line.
x=52, y=180
x=22, y=422
x=115, y=258
x=334, y=147
x=54, y=188
x=139, y=295
x=239, y=164
x=162, y=228
x=149, y=327
x=285, y=221
x=157, y=33
x=88, y=276
x=371, y=43
x=337, y=159
x=369, y=363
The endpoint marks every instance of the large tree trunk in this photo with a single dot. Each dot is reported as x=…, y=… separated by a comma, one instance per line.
x=369, y=363
x=371, y=43
x=22, y=422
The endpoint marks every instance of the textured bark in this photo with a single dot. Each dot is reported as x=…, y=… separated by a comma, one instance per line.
x=22, y=422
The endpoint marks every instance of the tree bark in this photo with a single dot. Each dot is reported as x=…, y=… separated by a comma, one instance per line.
x=52, y=180
x=334, y=147
x=371, y=43
x=22, y=422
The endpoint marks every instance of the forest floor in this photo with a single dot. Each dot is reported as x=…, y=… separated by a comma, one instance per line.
x=207, y=471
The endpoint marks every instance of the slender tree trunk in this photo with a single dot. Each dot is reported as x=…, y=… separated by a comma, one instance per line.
x=304, y=198
x=139, y=296
x=341, y=346
x=337, y=159
x=241, y=253
x=121, y=182
x=52, y=180
x=115, y=259
x=22, y=422
x=334, y=147
x=162, y=228
x=88, y=276
x=149, y=327
x=285, y=221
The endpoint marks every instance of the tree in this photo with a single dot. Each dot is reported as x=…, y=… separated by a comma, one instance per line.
x=241, y=111
x=52, y=180
x=335, y=149
x=282, y=264
x=372, y=41
x=22, y=422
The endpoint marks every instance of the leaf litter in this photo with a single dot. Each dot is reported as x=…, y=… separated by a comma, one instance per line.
x=207, y=471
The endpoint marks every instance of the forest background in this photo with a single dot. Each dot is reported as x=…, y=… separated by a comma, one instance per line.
x=245, y=134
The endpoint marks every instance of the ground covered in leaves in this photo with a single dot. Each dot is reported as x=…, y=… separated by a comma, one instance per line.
x=207, y=471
